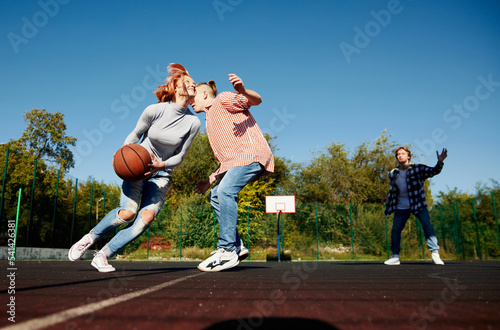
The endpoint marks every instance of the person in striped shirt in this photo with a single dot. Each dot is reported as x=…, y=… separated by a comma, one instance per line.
x=244, y=155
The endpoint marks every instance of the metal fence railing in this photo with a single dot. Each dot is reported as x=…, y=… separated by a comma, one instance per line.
x=314, y=232
x=55, y=213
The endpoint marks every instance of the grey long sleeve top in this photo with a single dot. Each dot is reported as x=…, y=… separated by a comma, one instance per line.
x=167, y=130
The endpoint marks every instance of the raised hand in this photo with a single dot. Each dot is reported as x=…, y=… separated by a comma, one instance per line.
x=237, y=83
x=252, y=96
x=443, y=155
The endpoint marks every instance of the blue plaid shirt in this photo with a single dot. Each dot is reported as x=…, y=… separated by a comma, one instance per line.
x=415, y=177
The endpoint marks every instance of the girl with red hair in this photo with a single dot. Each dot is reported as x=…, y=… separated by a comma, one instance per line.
x=167, y=130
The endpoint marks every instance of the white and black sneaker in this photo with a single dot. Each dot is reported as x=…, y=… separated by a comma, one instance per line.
x=243, y=254
x=220, y=260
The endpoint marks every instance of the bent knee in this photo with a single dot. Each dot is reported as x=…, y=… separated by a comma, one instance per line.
x=148, y=216
x=126, y=215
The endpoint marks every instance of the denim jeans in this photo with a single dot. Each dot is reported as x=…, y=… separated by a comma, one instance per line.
x=399, y=222
x=148, y=195
x=224, y=200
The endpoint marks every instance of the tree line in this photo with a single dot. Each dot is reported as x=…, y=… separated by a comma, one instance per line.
x=55, y=205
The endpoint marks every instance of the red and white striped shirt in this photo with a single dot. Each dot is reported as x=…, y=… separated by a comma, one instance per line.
x=234, y=136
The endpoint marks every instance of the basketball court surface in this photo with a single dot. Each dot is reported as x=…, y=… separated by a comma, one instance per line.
x=253, y=295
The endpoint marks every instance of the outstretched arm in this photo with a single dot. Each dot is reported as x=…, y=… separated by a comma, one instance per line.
x=253, y=97
x=443, y=155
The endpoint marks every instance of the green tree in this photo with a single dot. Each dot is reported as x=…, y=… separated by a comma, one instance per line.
x=199, y=163
x=45, y=138
x=371, y=164
x=327, y=179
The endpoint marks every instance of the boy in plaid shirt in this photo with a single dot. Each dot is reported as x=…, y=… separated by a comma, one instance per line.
x=406, y=196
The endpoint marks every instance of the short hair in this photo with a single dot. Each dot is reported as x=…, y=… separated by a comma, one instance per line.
x=211, y=85
x=402, y=148
x=165, y=93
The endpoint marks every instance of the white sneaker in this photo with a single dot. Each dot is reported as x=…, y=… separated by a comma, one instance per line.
x=100, y=262
x=436, y=259
x=220, y=260
x=78, y=249
x=243, y=254
x=393, y=261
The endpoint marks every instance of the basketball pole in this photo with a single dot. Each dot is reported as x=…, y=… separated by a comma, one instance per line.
x=279, y=254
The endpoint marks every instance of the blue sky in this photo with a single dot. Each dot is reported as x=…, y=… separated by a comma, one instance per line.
x=428, y=72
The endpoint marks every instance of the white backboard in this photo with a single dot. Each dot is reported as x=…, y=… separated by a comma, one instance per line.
x=283, y=204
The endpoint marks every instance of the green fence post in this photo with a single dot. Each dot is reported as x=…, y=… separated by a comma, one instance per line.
x=30, y=219
x=420, y=230
x=496, y=216
x=215, y=238
x=4, y=179
x=180, y=249
x=90, y=205
x=387, y=235
x=484, y=243
x=74, y=212
x=317, y=233
x=55, y=211
x=461, y=237
x=457, y=240
x=477, y=229
x=248, y=230
x=17, y=224
x=104, y=205
x=352, y=232
x=442, y=228
x=147, y=248
x=116, y=229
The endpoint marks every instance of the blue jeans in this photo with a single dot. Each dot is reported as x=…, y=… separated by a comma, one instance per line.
x=399, y=222
x=148, y=195
x=224, y=200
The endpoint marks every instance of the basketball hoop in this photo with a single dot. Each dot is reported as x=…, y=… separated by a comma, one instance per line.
x=280, y=204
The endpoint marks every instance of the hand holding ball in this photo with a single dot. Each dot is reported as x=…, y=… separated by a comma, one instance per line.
x=131, y=162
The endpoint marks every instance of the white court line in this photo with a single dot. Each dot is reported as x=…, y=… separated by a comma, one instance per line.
x=66, y=315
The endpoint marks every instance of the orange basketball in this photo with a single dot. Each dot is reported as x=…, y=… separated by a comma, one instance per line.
x=131, y=162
